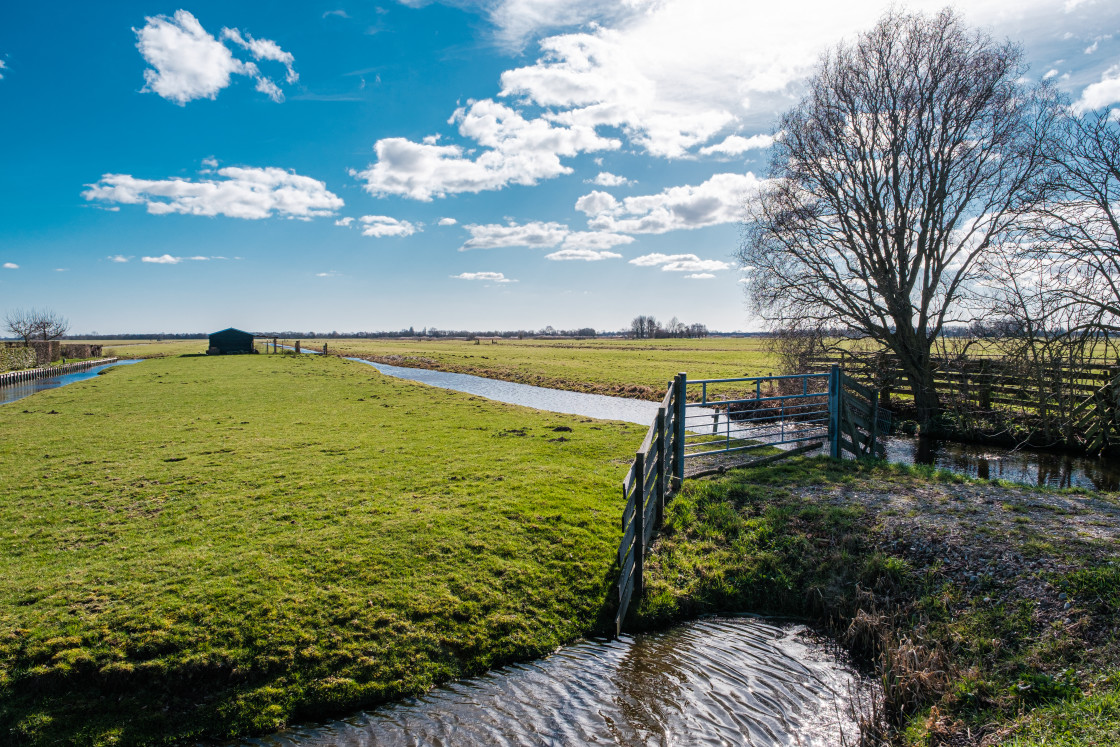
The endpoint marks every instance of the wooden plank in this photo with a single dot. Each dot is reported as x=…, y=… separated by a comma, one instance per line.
x=628, y=481
x=623, y=604
x=626, y=545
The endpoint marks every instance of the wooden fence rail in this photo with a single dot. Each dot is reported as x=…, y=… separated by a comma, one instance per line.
x=31, y=374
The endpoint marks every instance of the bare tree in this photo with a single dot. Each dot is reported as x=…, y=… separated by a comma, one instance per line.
x=49, y=325
x=1075, y=234
x=912, y=152
x=21, y=323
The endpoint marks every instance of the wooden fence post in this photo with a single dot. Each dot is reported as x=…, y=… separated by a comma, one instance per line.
x=639, y=521
x=681, y=383
x=660, y=493
x=834, y=411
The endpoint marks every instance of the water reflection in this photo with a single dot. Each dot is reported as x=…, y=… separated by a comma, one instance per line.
x=993, y=462
x=14, y=392
x=738, y=680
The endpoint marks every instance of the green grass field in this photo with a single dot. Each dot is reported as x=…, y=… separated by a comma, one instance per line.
x=206, y=546
x=628, y=368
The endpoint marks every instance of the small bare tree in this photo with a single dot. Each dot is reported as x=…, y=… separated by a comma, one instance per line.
x=21, y=323
x=36, y=324
x=912, y=152
x=50, y=325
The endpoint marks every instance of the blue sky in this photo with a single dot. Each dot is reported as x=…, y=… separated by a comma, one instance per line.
x=358, y=166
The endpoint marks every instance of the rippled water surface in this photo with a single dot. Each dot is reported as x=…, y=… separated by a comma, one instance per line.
x=14, y=392
x=717, y=681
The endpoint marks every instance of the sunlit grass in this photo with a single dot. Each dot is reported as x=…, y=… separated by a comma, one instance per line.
x=203, y=546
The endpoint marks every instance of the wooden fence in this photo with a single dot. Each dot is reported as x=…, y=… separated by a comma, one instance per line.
x=645, y=489
x=855, y=422
x=30, y=374
x=1075, y=404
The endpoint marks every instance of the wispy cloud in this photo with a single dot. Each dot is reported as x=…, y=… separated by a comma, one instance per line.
x=493, y=277
x=586, y=255
x=11, y=266
x=120, y=258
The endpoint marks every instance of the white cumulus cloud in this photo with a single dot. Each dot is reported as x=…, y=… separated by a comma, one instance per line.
x=120, y=258
x=734, y=145
x=1100, y=94
x=535, y=235
x=447, y=221
x=493, y=277
x=607, y=179
x=516, y=150
x=165, y=259
x=242, y=192
x=344, y=222
x=680, y=263
x=382, y=225
x=718, y=200
x=188, y=63
x=11, y=266
x=700, y=276
x=595, y=240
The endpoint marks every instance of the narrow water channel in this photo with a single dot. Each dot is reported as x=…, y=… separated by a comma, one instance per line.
x=719, y=681
x=977, y=460
x=15, y=392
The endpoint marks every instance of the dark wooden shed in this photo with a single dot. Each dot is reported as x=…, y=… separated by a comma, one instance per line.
x=230, y=341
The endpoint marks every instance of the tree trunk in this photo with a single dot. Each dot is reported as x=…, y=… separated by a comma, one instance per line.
x=918, y=366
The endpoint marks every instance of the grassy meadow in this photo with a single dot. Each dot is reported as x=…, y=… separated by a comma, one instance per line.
x=197, y=547
x=627, y=368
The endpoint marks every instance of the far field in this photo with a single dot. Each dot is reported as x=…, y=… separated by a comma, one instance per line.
x=629, y=368
x=202, y=546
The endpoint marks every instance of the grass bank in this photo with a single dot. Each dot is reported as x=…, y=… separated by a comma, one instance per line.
x=199, y=547
x=639, y=369
x=988, y=610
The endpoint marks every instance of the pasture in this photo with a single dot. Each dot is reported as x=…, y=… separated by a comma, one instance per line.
x=199, y=547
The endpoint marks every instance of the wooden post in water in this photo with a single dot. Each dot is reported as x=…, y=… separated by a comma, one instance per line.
x=639, y=521
x=297, y=347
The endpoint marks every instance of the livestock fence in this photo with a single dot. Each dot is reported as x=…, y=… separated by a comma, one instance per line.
x=30, y=374
x=703, y=421
x=1075, y=404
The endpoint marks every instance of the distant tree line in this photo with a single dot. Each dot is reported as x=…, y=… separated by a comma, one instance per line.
x=648, y=328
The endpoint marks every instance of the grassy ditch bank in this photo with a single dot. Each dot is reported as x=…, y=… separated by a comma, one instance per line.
x=198, y=547
x=989, y=611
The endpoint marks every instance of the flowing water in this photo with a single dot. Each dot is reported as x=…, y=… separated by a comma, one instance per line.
x=718, y=681
x=18, y=391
